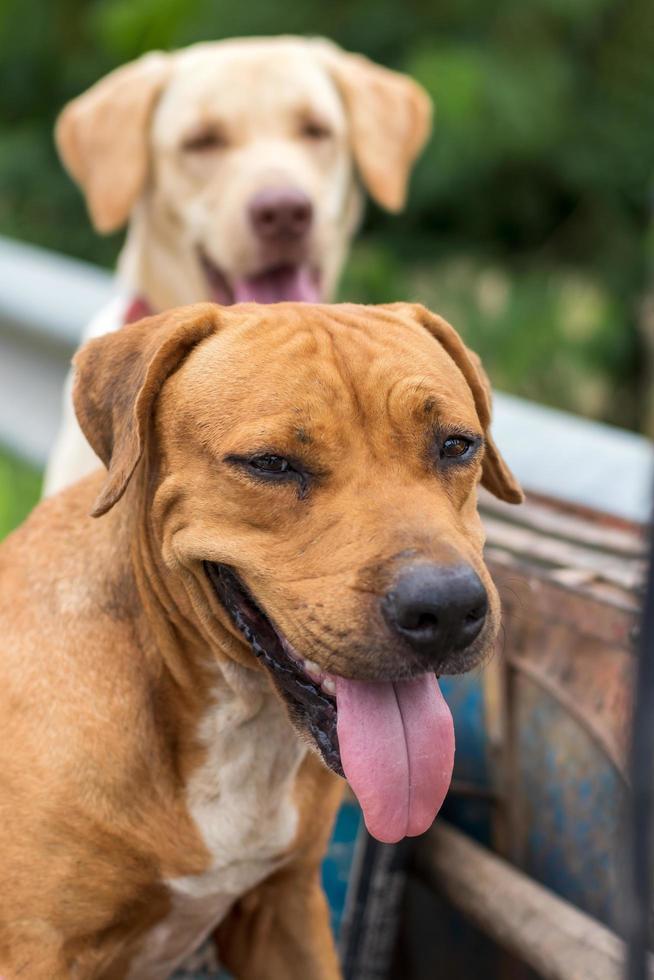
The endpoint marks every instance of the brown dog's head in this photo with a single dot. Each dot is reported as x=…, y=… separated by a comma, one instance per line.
x=236, y=160
x=311, y=475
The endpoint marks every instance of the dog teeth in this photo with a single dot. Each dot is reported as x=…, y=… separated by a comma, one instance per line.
x=327, y=683
x=288, y=649
x=312, y=669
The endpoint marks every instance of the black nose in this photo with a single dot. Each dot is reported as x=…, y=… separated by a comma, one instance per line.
x=436, y=609
x=281, y=214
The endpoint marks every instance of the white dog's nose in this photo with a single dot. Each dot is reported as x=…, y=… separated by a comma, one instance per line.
x=281, y=214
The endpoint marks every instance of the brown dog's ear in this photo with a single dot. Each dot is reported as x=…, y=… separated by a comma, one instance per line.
x=496, y=475
x=102, y=138
x=390, y=119
x=117, y=380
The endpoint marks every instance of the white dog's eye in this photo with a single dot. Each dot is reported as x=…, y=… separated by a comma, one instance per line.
x=204, y=140
x=315, y=129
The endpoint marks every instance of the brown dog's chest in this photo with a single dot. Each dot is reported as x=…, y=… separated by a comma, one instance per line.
x=242, y=801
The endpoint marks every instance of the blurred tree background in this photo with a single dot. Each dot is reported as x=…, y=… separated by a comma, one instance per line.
x=529, y=218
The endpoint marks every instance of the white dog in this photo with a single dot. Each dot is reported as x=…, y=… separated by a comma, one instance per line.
x=235, y=164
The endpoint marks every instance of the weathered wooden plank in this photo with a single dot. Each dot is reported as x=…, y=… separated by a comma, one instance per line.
x=627, y=573
x=530, y=592
x=548, y=934
x=557, y=523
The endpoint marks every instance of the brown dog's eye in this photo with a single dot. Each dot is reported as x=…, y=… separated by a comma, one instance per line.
x=314, y=129
x=271, y=468
x=205, y=141
x=455, y=447
x=270, y=464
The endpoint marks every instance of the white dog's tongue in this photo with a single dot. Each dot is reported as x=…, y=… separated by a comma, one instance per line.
x=292, y=284
x=397, y=749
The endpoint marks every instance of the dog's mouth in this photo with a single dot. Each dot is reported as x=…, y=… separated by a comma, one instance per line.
x=392, y=740
x=277, y=282
x=309, y=694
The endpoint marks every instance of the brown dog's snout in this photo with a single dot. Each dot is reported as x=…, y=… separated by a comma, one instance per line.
x=436, y=609
x=281, y=214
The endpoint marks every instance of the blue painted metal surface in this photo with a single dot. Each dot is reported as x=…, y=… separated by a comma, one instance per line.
x=566, y=796
x=338, y=862
x=472, y=810
x=572, y=800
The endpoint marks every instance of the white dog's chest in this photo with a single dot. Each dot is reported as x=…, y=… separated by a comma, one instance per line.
x=242, y=801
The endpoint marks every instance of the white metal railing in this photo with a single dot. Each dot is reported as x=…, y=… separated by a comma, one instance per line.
x=46, y=299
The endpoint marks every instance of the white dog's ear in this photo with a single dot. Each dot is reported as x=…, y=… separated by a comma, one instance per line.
x=390, y=119
x=102, y=137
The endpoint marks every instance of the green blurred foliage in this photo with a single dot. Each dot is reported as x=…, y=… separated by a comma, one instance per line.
x=20, y=487
x=528, y=217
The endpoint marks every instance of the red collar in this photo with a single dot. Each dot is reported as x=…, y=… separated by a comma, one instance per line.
x=137, y=309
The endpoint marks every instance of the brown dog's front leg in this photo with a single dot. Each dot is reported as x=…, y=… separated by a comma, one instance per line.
x=280, y=931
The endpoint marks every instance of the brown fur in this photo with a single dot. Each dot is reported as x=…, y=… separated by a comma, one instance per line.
x=112, y=636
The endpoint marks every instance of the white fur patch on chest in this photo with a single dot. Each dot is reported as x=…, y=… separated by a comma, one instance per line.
x=241, y=799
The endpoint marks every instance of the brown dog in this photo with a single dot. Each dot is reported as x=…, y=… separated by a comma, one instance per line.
x=296, y=554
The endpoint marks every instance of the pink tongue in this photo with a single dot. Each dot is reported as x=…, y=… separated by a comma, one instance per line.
x=397, y=750
x=285, y=284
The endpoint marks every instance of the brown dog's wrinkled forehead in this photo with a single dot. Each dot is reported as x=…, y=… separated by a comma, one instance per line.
x=373, y=362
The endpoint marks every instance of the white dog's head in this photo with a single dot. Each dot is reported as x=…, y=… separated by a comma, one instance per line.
x=236, y=163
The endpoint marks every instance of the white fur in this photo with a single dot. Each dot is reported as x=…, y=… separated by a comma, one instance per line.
x=242, y=802
x=72, y=457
